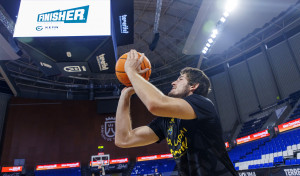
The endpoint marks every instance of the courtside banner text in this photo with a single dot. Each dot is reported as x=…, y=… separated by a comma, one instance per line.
x=112, y=161
x=289, y=125
x=274, y=171
x=52, y=18
x=57, y=166
x=12, y=169
x=253, y=137
x=154, y=157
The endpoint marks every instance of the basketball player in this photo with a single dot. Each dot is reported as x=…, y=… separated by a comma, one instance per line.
x=186, y=119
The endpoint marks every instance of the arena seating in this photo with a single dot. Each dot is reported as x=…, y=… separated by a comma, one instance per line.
x=59, y=172
x=252, y=126
x=154, y=166
x=281, y=150
x=293, y=98
x=295, y=114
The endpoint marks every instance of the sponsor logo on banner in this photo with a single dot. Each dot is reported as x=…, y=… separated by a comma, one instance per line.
x=103, y=65
x=247, y=174
x=253, y=137
x=39, y=28
x=108, y=129
x=292, y=172
x=289, y=125
x=123, y=24
x=243, y=139
x=12, y=169
x=43, y=64
x=154, y=157
x=74, y=15
x=118, y=161
x=72, y=69
x=57, y=166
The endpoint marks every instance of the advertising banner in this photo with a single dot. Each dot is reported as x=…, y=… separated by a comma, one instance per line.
x=118, y=161
x=253, y=137
x=289, y=125
x=12, y=169
x=154, y=157
x=53, y=18
x=274, y=171
x=123, y=21
x=57, y=166
x=103, y=59
x=112, y=161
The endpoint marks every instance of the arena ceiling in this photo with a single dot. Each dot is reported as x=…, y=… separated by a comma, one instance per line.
x=184, y=27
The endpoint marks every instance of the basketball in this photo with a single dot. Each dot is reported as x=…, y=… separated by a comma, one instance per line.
x=120, y=70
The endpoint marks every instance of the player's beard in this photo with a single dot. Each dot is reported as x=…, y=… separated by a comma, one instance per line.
x=181, y=94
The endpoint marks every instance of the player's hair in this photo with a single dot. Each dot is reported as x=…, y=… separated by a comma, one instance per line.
x=195, y=76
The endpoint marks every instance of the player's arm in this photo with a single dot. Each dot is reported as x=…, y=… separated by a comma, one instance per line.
x=155, y=101
x=125, y=136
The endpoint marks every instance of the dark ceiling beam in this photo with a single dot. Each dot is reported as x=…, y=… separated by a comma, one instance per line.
x=8, y=81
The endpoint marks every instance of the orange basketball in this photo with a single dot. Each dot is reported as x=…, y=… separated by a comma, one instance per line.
x=120, y=70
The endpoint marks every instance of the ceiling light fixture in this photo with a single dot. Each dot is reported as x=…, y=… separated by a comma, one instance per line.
x=223, y=19
x=215, y=31
x=230, y=6
x=69, y=54
x=226, y=14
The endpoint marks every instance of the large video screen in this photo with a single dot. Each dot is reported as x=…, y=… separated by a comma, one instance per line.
x=55, y=18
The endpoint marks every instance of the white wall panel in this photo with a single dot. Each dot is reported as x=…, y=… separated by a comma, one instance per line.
x=225, y=101
x=295, y=45
x=285, y=70
x=243, y=89
x=263, y=80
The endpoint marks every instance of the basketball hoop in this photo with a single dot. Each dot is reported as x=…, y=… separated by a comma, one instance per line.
x=100, y=161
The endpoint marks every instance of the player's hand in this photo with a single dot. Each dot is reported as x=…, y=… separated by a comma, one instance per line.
x=133, y=63
x=128, y=91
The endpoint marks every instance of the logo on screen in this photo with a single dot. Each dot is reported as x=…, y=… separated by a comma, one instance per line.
x=39, y=28
x=72, y=69
x=247, y=174
x=75, y=15
x=43, y=64
x=123, y=24
x=103, y=65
